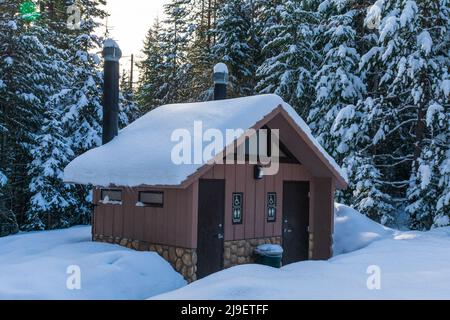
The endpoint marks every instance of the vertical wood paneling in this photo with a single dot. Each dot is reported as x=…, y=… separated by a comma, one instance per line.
x=100, y=225
x=219, y=171
x=169, y=195
x=259, y=209
x=186, y=219
x=108, y=214
x=118, y=223
x=149, y=226
x=158, y=221
x=128, y=203
x=179, y=227
x=249, y=198
x=171, y=209
x=229, y=189
x=323, y=224
x=139, y=223
x=193, y=218
x=176, y=222
x=209, y=174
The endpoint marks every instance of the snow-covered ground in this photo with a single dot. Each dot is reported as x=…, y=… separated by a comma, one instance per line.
x=35, y=265
x=412, y=265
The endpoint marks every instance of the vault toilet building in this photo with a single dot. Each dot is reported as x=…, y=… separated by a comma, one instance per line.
x=204, y=217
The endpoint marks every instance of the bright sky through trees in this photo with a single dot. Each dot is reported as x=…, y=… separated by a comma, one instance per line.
x=129, y=21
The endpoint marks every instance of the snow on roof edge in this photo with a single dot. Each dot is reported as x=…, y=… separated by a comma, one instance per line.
x=307, y=130
x=83, y=169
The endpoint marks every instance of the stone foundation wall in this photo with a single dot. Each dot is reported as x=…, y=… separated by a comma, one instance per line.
x=183, y=260
x=241, y=251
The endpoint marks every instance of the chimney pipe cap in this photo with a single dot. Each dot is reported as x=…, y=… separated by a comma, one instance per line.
x=221, y=73
x=111, y=50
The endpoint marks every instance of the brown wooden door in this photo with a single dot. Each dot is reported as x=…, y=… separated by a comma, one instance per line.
x=295, y=221
x=211, y=210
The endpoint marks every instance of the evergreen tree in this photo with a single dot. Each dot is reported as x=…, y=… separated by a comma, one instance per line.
x=28, y=62
x=79, y=115
x=128, y=110
x=337, y=81
x=427, y=77
x=200, y=52
x=290, y=56
x=408, y=68
x=237, y=45
x=175, y=40
x=53, y=204
x=151, y=88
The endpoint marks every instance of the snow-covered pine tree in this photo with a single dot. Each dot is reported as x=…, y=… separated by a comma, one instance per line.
x=289, y=53
x=83, y=104
x=28, y=77
x=8, y=221
x=175, y=39
x=366, y=193
x=128, y=109
x=237, y=45
x=77, y=103
x=151, y=88
x=428, y=72
x=407, y=70
x=337, y=81
x=200, y=56
x=53, y=203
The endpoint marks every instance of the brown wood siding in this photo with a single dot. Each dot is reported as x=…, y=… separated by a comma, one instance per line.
x=176, y=223
x=323, y=218
x=239, y=178
x=173, y=224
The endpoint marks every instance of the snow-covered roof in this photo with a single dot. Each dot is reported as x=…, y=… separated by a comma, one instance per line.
x=141, y=153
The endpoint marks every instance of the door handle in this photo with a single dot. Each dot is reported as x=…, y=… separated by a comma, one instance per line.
x=287, y=230
x=219, y=236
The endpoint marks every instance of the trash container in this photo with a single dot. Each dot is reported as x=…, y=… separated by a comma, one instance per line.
x=269, y=255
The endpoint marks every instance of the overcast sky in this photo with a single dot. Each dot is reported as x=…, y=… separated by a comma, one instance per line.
x=129, y=22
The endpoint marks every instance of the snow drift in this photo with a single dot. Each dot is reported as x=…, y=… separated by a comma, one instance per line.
x=413, y=265
x=34, y=266
x=353, y=230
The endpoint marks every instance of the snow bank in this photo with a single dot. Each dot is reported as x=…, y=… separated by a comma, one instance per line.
x=413, y=265
x=353, y=231
x=34, y=266
x=141, y=153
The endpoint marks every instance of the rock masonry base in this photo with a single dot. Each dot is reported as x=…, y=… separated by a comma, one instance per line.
x=183, y=260
x=242, y=251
